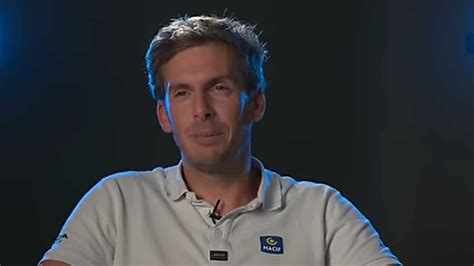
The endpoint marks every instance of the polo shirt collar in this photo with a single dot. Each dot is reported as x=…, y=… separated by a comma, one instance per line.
x=269, y=191
x=174, y=183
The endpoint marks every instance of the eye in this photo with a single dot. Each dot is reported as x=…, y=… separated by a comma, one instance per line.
x=221, y=88
x=180, y=93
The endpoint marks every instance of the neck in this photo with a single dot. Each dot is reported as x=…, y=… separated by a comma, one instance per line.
x=234, y=187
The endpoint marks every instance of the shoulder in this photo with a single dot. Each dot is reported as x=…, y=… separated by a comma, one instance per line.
x=119, y=189
x=305, y=188
x=127, y=182
x=303, y=194
x=135, y=177
x=312, y=194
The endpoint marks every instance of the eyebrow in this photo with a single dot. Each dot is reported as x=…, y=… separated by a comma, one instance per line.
x=209, y=83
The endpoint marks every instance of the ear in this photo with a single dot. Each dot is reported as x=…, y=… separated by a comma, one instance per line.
x=259, y=105
x=163, y=118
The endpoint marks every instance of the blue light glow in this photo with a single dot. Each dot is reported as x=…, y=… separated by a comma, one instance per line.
x=470, y=43
x=5, y=52
x=3, y=36
x=2, y=23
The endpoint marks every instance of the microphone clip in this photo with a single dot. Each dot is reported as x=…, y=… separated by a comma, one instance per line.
x=215, y=215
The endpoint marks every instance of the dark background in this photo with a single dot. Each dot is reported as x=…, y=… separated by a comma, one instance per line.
x=372, y=97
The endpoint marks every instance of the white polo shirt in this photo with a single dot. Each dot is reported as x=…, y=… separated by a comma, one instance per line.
x=151, y=218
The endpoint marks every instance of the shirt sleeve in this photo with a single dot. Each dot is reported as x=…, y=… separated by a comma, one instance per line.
x=350, y=238
x=88, y=235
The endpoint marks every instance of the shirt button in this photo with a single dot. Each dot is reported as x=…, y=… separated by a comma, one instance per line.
x=218, y=233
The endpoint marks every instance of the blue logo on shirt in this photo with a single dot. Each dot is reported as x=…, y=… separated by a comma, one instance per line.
x=271, y=244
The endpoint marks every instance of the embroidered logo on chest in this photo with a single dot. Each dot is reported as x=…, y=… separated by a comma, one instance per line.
x=271, y=244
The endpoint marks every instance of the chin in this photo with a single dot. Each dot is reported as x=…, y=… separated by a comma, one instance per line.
x=205, y=160
x=209, y=165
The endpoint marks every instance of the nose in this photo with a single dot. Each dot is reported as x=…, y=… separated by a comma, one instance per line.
x=202, y=108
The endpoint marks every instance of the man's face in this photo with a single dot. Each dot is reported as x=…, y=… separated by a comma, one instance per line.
x=206, y=106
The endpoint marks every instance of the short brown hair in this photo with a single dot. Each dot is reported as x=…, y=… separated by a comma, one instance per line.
x=186, y=32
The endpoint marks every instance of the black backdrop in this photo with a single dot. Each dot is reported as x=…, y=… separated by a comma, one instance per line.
x=372, y=97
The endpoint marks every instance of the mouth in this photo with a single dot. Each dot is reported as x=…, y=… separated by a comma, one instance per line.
x=208, y=138
x=207, y=134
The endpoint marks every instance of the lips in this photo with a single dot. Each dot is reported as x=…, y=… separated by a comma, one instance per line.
x=207, y=138
x=207, y=134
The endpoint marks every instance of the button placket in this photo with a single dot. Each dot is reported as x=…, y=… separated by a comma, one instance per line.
x=218, y=233
x=218, y=237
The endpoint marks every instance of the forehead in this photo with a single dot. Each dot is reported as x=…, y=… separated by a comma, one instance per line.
x=206, y=61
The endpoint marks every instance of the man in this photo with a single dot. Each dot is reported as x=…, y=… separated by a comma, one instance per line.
x=219, y=205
